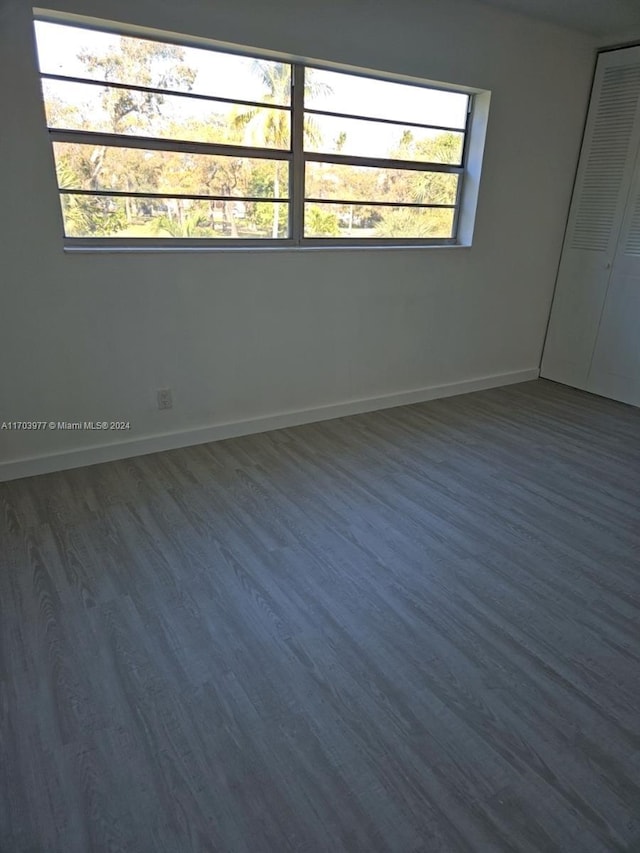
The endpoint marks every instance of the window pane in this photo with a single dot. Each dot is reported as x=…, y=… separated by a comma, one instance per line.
x=358, y=138
x=81, y=106
x=195, y=95
x=115, y=216
x=375, y=222
x=103, y=167
x=365, y=183
x=362, y=96
x=77, y=52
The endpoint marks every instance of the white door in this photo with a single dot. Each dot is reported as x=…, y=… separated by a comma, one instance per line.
x=601, y=193
x=615, y=367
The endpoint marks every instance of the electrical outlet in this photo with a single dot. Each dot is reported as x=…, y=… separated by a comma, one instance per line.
x=165, y=399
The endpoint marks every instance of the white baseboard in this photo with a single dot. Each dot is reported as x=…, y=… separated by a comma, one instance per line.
x=80, y=457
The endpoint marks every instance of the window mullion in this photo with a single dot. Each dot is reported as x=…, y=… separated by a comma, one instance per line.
x=384, y=163
x=378, y=120
x=153, y=90
x=296, y=190
x=169, y=194
x=465, y=154
x=155, y=143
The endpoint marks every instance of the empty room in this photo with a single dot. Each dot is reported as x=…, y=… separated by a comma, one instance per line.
x=320, y=426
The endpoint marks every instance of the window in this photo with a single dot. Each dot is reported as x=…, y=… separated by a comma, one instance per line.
x=164, y=143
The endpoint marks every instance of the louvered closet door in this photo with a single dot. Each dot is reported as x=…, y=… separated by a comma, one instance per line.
x=602, y=189
x=615, y=367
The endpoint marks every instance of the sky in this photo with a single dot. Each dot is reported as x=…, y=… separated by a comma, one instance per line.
x=232, y=76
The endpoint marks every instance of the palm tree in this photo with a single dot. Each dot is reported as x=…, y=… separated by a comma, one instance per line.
x=271, y=128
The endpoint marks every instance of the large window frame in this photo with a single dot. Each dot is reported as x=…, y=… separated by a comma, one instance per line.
x=296, y=157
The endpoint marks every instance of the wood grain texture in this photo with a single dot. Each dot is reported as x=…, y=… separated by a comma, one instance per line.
x=413, y=631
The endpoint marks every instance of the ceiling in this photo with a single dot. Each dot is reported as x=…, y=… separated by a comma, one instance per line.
x=601, y=18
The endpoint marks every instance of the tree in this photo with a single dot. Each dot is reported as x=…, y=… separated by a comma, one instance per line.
x=421, y=187
x=438, y=187
x=321, y=223
x=95, y=216
x=203, y=174
x=266, y=127
x=145, y=63
x=340, y=142
x=184, y=218
x=261, y=178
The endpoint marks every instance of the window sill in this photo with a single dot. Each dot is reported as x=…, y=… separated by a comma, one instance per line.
x=354, y=247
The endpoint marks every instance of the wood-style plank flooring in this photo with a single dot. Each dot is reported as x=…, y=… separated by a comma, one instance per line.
x=411, y=631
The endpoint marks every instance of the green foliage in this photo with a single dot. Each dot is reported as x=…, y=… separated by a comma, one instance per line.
x=340, y=142
x=413, y=222
x=103, y=168
x=422, y=187
x=320, y=222
x=145, y=63
x=88, y=216
x=186, y=224
x=271, y=128
x=443, y=148
x=260, y=216
x=261, y=182
x=93, y=216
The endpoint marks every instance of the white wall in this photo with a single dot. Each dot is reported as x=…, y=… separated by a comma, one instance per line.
x=247, y=334
x=623, y=38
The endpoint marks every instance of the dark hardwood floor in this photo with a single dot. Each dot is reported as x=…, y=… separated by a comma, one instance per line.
x=411, y=631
